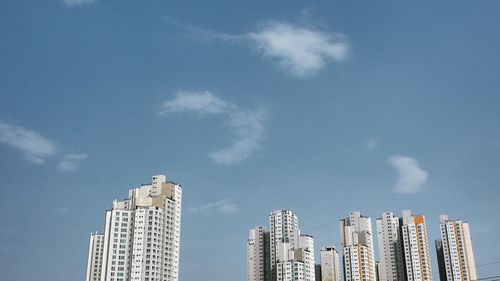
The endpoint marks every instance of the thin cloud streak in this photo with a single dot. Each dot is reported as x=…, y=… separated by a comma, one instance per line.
x=76, y=3
x=33, y=146
x=36, y=148
x=225, y=206
x=247, y=125
x=411, y=177
x=70, y=162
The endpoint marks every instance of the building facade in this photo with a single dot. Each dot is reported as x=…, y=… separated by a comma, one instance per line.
x=258, y=255
x=330, y=267
x=415, y=247
x=94, y=261
x=280, y=253
x=455, y=252
x=391, y=265
x=142, y=234
x=357, y=248
x=284, y=227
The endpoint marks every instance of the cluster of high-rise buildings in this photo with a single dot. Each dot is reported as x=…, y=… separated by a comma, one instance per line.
x=141, y=236
x=281, y=253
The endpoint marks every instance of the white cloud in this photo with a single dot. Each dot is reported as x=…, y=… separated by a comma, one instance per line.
x=225, y=206
x=34, y=147
x=70, y=162
x=300, y=50
x=247, y=125
x=74, y=3
x=199, y=102
x=411, y=176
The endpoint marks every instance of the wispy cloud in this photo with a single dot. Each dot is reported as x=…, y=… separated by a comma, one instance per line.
x=199, y=102
x=298, y=49
x=33, y=146
x=411, y=176
x=75, y=3
x=71, y=161
x=301, y=50
x=247, y=125
x=225, y=206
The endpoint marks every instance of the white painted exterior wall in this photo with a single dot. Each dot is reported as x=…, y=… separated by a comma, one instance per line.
x=290, y=271
x=457, y=250
x=258, y=263
x=391, y=266
x=95, y=256
x=284, y=226
x=416, y=247
x=330, y=264
x=306, y=248
x=142, y=234
x=357, y=246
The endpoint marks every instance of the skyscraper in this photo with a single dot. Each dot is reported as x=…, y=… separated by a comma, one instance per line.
x=284, y=226
x=258, y=255
x=357, y=247
x=330, y=267
x=142, y=234
x=94, y=262
x=455, y=252
x=391, y=266
x=415, y=247
x=290, y=255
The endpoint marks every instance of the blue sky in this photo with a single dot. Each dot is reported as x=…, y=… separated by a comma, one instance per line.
x=322, y=107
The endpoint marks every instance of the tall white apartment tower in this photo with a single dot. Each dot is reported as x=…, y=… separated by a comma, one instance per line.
x=258, y=255
x=305, y=253
x=391, y=266
x=284, y=226
x=416, y=247
x=330, y=267
x=296, y=263
x=142, y=234
x=291, y=254
x=117, y=242
x=357, y=247
x=455, y=252
x=94, y=262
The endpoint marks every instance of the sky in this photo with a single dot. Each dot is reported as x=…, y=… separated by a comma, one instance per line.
x=321, y=107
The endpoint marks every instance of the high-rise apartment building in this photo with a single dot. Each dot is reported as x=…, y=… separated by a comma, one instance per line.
x=357, y=247
x=415, y=247
x=284, y=226
x=297, y=263
x=258, y=255
x=330, y=267
x=94, y=262
x=403, y=247
x=391, y=265
x=142, y=234
x=454, y=250
x=289, y=255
